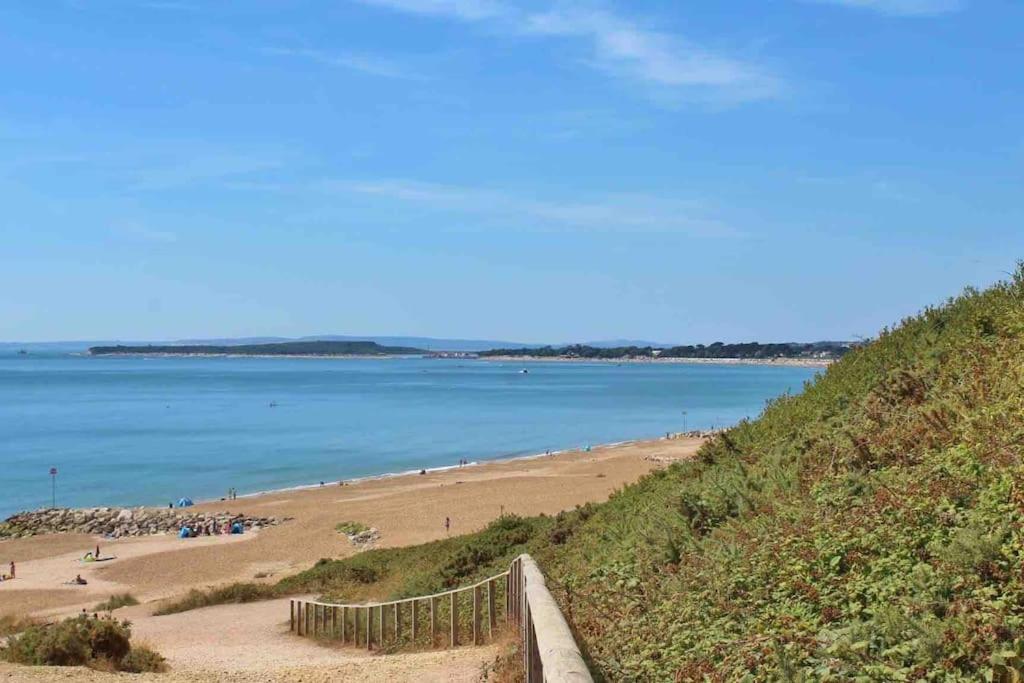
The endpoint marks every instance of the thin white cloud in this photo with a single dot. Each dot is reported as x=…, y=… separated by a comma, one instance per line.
x=371, y=65
x=466, y=10
x=628, y=50
x=620, y=212
x=903, y=8
x=618, y=46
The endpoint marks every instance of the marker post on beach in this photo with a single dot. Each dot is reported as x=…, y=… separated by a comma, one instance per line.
x=53, y=487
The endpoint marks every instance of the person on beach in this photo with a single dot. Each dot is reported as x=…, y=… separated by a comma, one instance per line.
x=12, y=569
x=447, y=525
x=96, y=556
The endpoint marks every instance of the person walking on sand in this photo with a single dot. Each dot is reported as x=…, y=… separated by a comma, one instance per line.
x=447, y=526
x=97, y=555
x=12, y=569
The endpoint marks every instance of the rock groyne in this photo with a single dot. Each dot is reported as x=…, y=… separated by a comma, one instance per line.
x=113, y=522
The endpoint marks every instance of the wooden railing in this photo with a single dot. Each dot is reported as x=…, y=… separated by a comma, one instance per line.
x=440, y=620
x=436, y=620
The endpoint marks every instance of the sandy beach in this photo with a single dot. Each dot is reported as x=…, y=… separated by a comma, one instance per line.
x=406, y=509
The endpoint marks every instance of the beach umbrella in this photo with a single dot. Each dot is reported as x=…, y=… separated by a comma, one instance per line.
x=184, y=502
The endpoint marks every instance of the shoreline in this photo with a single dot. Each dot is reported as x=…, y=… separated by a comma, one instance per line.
x=254, y=496
x=441, y=469
x=780, y=362
x=405, y=507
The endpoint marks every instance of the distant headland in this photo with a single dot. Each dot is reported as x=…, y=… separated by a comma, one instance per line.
x=297, y=348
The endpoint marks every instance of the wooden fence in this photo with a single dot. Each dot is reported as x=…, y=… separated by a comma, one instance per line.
x=470, y=615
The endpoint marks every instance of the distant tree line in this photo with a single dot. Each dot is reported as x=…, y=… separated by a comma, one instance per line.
x=716, y=350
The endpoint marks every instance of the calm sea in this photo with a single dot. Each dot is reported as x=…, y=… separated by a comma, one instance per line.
x=127, y=431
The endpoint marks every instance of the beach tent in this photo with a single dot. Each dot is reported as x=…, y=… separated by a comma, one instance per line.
x=237, y=528
x=184, y=533
x=184, y=502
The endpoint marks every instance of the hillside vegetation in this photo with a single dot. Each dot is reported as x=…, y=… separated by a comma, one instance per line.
x=870, y=528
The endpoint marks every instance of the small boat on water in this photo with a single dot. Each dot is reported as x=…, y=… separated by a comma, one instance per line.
x=273, y=404
x=22, y=352
x=524, y=371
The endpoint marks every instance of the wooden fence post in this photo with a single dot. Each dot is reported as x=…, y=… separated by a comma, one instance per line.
x=433, y=622
x=492, y=619
x=344, y=624
x=398, y=621
x=527, y=646
x=380, y=623
x=369, y=628
x=476, y=615
x=454, y=619
x=415, y=618
x=291, y=616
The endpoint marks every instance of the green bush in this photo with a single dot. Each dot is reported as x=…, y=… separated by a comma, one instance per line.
x=351, y=528
x=141, y=659
x=78, y=641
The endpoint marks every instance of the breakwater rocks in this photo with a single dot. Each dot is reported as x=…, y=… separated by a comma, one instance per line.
x=124, y=522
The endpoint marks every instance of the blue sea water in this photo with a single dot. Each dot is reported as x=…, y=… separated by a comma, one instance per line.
x=128, y=431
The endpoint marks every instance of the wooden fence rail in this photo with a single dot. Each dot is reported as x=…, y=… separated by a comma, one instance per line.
x=470, y=616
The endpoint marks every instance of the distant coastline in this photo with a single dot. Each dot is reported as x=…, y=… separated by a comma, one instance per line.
x=300, y=349
x=778, y=362
x=786, y=362
x=815, y=355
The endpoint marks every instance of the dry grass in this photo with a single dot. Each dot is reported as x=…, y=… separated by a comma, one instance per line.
x=11, y=624
x=507, y=667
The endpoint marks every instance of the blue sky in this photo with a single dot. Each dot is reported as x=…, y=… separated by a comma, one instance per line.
x=539, y=171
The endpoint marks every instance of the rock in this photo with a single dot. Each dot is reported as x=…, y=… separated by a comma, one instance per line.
x=121, y=522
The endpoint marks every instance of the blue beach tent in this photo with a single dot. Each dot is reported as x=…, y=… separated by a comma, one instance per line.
x=185, y=532
x=237, y=528
x=184, y=502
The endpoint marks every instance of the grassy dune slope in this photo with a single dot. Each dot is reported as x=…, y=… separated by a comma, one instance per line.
x=869, y=527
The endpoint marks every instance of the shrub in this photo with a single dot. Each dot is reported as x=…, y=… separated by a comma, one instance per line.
x=142, y=659
x=79, y=641
x=351, y=528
